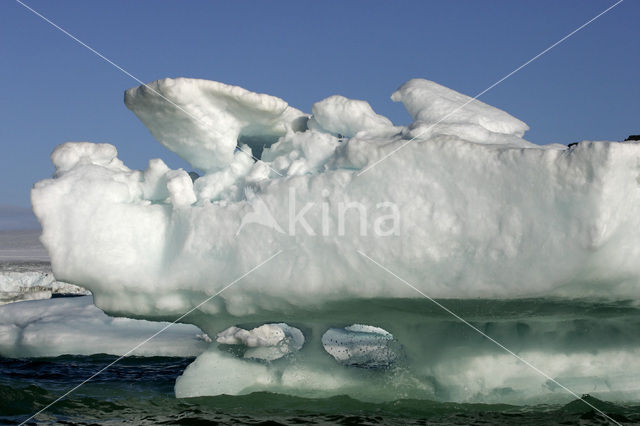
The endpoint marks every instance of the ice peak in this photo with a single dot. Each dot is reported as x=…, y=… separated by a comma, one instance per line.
x=202, y=121
x=432, y=103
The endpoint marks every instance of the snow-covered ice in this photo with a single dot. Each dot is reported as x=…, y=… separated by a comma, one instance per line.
x=475, y=220
x=457, y=204
x=39, y=326
x=25, y=272
x=267, y=342
x=75, y=326
x=432, y=104
x=34, y=284
x=203, y=120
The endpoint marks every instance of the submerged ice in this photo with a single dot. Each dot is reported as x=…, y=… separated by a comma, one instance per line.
x=458, y=204
x=361, y=346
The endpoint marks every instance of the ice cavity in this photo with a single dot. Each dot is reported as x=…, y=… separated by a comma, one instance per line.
x=361, y=345
x=480, y=213
x=202, y=121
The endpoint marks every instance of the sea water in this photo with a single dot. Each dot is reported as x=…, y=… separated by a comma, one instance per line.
x=140, y=391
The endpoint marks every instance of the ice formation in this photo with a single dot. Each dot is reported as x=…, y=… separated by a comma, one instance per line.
x=203, y=121
x=267, y=342
x=458, y=204
x=436, y=109
x=74, y=325
x=25, y=272
x=29, y=285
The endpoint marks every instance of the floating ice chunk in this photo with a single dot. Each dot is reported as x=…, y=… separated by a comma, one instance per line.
x=342, y=116
x=476, y=219
x=216, y=373
x=265, y=335
x=432, y=103
x=266, y=342
x=75, y=326
x=203, y=121
x=361, y=345
x=30, y=285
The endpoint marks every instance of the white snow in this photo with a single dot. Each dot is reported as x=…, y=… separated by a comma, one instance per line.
x=29, y=285
x=484, y=221
x=202, y=121
x=341, y=116
x=74, y=325
x=265, y=335
x=266, y=342
x=431, y=103
x=67, y=157
x=457, y=204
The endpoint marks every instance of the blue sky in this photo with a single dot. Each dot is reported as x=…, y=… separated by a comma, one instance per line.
x=54, y=90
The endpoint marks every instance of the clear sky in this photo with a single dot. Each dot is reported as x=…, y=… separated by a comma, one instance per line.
x=54, y=90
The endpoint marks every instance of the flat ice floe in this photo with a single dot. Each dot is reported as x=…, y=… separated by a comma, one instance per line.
x=458, y=204
x=25, y=272
x=20, y=284
x=75, y=326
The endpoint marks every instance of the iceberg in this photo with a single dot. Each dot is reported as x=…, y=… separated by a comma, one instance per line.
x=529, y=243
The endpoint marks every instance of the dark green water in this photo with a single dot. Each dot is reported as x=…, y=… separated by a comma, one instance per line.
x=140, y=391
